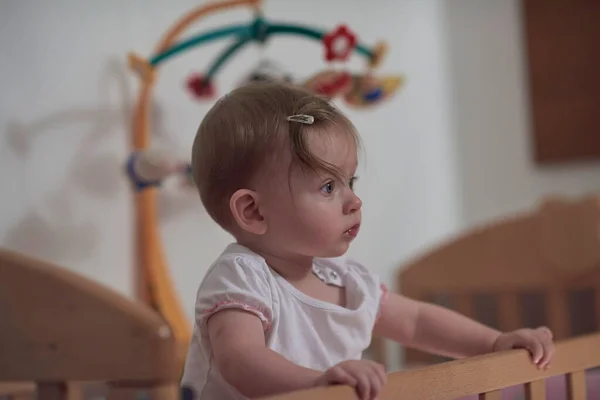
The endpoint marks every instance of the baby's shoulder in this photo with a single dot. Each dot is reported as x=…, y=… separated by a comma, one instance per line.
x=237, y=265
x=238, y=278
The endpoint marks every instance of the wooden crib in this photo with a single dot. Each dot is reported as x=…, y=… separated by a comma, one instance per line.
x=483, y=377
x=536, y=268
x=66, y=334
x=61, y=333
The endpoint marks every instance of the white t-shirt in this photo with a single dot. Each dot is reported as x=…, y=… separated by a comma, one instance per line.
x=309, y=332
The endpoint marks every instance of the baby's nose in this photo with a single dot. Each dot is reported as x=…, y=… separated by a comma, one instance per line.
x=354, y=204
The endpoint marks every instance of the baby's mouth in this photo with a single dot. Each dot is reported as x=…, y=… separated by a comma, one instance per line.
x=353, y=232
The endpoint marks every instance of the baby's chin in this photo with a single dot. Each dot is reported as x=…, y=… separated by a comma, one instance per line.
x=333, y=251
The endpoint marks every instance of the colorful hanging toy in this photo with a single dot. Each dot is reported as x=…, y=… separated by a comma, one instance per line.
x=357, y=90
x=147, y=167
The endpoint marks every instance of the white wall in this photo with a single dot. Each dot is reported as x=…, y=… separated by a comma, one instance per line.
x=489, y=105
x=64, y=115
x=450, y=150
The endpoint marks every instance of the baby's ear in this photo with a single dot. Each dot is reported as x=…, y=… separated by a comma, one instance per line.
x=246, y=212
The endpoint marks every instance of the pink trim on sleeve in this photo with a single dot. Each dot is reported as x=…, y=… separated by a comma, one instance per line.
x=385, y=294
x=238, y=304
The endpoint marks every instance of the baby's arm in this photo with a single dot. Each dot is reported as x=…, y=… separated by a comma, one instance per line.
x=441, y=331
x=238, y=344
x=245, y=362
x=433, y=329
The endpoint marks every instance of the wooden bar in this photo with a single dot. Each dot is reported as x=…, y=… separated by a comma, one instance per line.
x=493, y=395
x=124, y=393
x=61, y=336
x=558, y=313
x=74, y=391
x=509, y=311
x=20, y=396
x=463, y=304
x=51, y=391
x=576, y=386
x=487, y=373
x=17, y=390
x=535, y=390
x=149, y=392
x=597, y=304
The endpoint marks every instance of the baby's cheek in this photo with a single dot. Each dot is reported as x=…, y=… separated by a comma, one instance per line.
x=319, y=218
x=323, y=227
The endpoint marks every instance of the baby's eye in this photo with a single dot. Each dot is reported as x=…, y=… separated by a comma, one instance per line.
x=327, y=188
x=352, y=182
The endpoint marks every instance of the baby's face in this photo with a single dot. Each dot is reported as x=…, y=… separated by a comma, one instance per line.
x=320, y=215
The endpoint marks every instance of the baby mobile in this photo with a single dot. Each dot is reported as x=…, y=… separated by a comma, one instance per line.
x=148, y=167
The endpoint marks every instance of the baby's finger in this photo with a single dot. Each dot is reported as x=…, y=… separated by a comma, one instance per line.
x=546, y=331
x=374, y=388
x=380, y=374
x=535, y=347
x=549, y=351
x=363, y=387
x=376, y=384
x=383, y=375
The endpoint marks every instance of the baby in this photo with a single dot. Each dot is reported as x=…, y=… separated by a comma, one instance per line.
x=281, y=309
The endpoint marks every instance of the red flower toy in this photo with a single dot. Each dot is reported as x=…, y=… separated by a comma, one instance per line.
x=339, y=43
x=200, y=88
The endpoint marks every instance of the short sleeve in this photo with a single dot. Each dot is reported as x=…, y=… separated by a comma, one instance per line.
x=234, y=282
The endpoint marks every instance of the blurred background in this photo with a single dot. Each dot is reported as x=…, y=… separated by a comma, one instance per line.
x=452, y=149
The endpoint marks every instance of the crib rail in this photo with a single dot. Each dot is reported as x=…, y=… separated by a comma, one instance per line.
x=484, y=376
x=536, y=267
x=59, y=328
x=56, y=323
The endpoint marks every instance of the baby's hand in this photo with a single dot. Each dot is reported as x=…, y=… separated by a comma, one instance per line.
x=537, y=341
x=367, y=377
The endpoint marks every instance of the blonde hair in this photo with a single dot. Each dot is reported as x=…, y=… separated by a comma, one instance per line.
x=247, y=129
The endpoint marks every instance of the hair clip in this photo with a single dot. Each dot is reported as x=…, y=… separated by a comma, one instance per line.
x=302, y=118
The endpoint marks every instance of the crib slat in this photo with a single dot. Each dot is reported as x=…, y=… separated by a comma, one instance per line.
x=150, y=392
x=535, y=390
x=576, y=386
x=509, y=311
x=494, y=395
x=558, y=314
x=19, y=396
x=463, y=304
x=17, y=390
x=51, y=391
x=597, y=300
